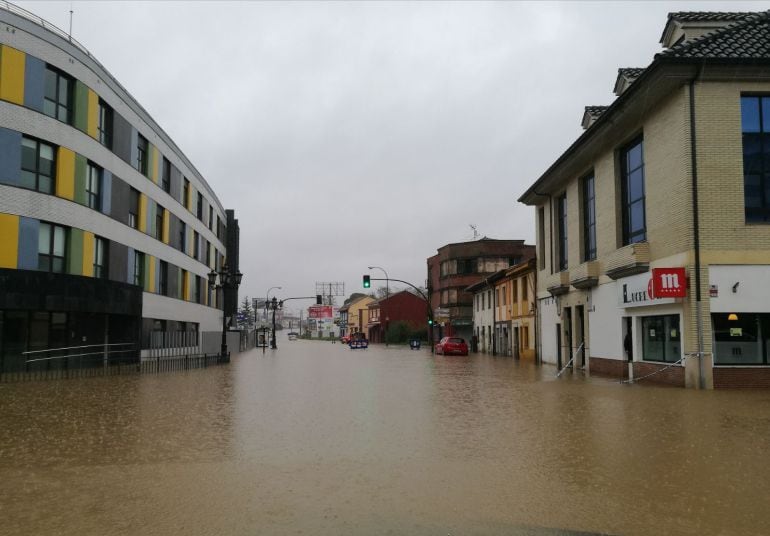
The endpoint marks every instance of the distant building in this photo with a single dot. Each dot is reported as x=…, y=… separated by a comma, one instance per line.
x=354, y=315
x=458, y=265
x=399, y=307
x=653, y=227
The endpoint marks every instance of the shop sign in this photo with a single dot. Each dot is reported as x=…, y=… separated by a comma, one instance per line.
x=637, y=291
x=669, y=283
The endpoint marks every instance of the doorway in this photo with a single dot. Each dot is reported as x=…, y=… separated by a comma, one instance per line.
x=580, y=329
x=568, y=341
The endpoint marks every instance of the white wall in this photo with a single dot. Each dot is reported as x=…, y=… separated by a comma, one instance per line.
x=752, y=295
x=548, y=320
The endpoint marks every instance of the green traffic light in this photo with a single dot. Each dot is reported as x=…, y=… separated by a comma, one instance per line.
x=367, y=282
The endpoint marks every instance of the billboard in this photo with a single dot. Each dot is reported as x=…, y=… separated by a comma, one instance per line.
x=320, y=311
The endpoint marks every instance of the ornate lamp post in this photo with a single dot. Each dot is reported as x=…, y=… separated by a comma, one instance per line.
x=227, y=280
x=275, y=304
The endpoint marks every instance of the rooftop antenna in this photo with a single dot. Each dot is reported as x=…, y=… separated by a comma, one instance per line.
x=71, y=12
x=475, y=232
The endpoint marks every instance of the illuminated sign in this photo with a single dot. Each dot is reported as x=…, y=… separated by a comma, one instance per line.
x=669, y=283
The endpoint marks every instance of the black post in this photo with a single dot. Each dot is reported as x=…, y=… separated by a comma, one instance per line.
x=223, y=355
x=272, y=340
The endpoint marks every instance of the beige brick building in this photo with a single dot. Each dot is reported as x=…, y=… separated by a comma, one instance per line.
x=670, y=181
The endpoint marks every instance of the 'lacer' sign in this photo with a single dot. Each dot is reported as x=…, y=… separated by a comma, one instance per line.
x=668, y=283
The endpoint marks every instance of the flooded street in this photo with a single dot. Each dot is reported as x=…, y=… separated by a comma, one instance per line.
x=318, y=439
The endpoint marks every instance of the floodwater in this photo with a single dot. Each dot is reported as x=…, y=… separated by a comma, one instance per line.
x=316, y=439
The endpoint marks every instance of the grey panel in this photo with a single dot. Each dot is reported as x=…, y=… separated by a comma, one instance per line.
x=130, y=265
x=10, y=156
x=120, y=199
x=106, y=192
x=29, y=230
x=173, y=229
x=34, y=82
x=122, y=134
x=118, y=262
x=173, y=280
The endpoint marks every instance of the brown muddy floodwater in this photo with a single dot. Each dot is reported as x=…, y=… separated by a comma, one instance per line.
x=316, y=439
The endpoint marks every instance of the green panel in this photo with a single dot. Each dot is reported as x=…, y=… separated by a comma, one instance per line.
x=81, y=168
x=75, y=253
x=81, y=106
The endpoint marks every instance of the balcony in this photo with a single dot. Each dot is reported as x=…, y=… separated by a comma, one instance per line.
x=586, y=275
x=629, y=260
x=558, y=283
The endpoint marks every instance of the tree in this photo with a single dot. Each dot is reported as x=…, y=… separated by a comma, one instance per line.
x=381, y=292
x=246, y=314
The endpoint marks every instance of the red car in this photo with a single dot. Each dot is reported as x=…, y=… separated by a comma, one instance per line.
x=452, y=345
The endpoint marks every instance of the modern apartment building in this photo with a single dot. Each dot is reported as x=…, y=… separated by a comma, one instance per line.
x=107, y=230
x=459, y=265
x=653, y=227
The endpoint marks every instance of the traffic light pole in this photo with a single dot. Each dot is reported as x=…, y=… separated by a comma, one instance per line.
x=422, y=295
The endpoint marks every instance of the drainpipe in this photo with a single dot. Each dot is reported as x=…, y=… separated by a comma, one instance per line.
x=696, y=234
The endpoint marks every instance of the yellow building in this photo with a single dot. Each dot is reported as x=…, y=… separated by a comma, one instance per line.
x=653, y=228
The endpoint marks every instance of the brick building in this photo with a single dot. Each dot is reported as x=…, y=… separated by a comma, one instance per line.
x=399, y=307
x=457, y=266
x=653, y=230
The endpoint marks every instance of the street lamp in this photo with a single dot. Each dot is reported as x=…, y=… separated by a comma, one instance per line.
x=267, y=299
x=275, y=304
x=227, y=280
x=387, y=287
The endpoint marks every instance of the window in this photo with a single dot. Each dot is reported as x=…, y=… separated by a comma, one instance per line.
x=159, y=213
x=632, y=191
x=541, y=237
x=133, y=209
x=505, y=298
x=219, y=228
x=755, y=125
x=515, y=292
x=37, y=165
x=524, y=289
x=561, y=226
x=93, y=186
x=166, y=176
x=196, y=245
x=489, y=298
x=186, y=193
x=497, y=296
x=589, y=219
x=57, y=98
x=195, y=292
x=141, y=155
x=200, y=206
x=163, y=279
x=104, y=124
x=52, y=248
x=744, y=340
x=661, y=338
x=138, y=269
x=483, y=301
x=208, y=253
x=211, y=217
x=466, y=266
x=100, y=258
x=477, y=302
x=182, y=237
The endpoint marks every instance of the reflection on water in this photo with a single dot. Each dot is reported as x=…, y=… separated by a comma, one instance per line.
x=318, y=439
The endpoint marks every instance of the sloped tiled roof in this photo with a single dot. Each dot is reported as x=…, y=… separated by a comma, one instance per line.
x=630, y=72
x=708, y=16
x=595, y=110
x=749, y=38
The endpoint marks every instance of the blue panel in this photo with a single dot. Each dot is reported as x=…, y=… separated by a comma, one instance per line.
x=34, y=83
x=10, y=156
x=28, y=236
x=134, y=150
x=106, y=192
x=130, y=266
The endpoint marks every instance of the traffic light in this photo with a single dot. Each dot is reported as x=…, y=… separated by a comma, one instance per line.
x=430, y=321
x=318, y=299
x=367, y=282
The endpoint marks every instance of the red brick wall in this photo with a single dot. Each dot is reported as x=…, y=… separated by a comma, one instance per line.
x=729, y=377
x=615, y=368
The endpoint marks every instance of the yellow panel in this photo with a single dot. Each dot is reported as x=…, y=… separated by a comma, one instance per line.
x=187, y=286
x=9, y=241
x=151, y=275
x=65, y=173
x=143, y=213
x=166, y=225
x=93, y=114
x=88, y=254
x=190, y=196
x=12, y=74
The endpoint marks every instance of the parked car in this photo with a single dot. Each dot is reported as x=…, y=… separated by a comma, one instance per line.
x=452, y=345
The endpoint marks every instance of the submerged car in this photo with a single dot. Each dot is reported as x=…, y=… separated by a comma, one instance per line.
x=452, y=346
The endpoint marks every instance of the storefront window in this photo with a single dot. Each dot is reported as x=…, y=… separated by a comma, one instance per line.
x=739, y=341
x=661, y=338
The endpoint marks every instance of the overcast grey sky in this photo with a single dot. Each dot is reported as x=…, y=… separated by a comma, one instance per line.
x=349, y=134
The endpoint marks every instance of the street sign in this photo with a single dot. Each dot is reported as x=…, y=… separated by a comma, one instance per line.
x=441, y=311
